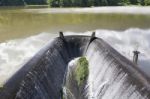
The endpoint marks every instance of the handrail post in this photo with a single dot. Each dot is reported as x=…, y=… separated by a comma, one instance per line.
x=61, y=35
x=135, y=56
x=92, y=37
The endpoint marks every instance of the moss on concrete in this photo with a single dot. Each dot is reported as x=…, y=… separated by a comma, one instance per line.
x=82, y=70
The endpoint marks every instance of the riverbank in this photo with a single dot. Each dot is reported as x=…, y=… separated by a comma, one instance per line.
x=113, y=9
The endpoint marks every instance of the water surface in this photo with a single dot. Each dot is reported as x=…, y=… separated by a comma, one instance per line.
x=16, y=23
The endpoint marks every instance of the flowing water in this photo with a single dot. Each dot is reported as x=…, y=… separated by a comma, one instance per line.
x=111, y=76
x=23, y=32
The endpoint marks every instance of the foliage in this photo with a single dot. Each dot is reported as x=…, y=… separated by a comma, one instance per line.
x=11, y=2
x=89, y=3
x=74, y=3
x=82, y=71
x=35, y=2
x=125, y=2
x=146, y=2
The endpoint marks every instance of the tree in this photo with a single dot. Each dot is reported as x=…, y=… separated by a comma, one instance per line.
x=53, y=3
x=104, y=2
x=96, y=2
x=67, y=3
x=77, y=3
x=134, y=2
x=34, y=2
x=74, y=3
x=90, y=2
x=11, y=2
x=146, y=2
x=125, y=2
x=84, y=3
x=49, y=2
x=61, y=3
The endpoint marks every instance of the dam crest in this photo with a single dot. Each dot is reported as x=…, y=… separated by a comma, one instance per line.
x=111, y=75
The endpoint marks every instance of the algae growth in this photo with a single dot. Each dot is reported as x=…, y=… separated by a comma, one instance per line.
x=82, y=70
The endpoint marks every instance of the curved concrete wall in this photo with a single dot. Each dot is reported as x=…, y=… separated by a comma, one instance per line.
x=42, y=76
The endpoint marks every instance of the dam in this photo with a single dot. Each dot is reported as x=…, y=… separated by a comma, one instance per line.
x=111, y=75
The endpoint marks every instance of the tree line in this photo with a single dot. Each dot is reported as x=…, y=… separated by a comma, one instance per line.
x=89, y=3
x=22, y=2
x=74, y=3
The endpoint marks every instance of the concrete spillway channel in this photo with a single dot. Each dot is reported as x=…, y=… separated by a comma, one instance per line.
x=111, y=75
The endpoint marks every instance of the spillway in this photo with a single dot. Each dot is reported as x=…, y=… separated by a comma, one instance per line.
x=111, y=75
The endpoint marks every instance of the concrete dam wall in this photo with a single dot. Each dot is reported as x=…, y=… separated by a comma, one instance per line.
x=111, y=75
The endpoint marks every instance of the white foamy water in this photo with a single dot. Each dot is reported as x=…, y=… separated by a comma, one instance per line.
x=14, y=53
x=119, y=9
x=106, y=80
x=126, y=42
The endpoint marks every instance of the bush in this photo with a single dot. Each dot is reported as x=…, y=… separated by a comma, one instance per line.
x=82, y=71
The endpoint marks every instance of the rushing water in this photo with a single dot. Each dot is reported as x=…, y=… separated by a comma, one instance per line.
x=23, y=32
x=110, y=75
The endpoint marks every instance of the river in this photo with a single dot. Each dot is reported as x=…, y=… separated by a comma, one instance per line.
x=24, y=31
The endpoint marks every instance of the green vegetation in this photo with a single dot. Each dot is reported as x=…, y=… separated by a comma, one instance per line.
x=89, y=3
x=74, y=3
x=35, y=2
x=22, y=2
x=11, y=2
x=1, y=87
x=146, y=2
x=82, y=71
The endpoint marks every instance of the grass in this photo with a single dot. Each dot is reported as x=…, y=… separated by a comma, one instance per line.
x=82, y=71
